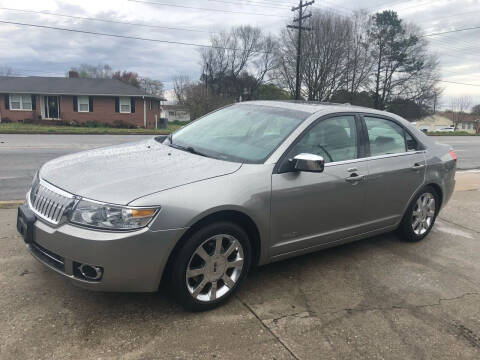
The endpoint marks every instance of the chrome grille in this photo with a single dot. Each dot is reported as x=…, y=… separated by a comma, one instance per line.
x=49, y=202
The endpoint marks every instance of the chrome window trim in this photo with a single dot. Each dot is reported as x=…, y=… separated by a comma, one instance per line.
x=376, y=157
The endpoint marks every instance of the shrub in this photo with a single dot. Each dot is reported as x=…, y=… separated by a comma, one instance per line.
x=121, y=124
x=94, y=124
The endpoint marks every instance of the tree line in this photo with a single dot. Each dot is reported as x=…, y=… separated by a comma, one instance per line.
x=105, y=71
x=374, y=60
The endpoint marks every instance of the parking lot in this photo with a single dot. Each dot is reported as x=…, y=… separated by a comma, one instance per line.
x=21, y=155
x=374, y=299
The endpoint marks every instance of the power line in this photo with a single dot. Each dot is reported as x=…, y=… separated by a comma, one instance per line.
x=102, y=20
x=203, y=9
x=251, y=3
x=452, y=31
x=125, y=36
x=459, y=83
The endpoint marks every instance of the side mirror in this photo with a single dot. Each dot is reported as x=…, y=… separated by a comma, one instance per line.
x=308, y=162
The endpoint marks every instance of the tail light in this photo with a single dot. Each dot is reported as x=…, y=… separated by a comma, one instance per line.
x=453, y=155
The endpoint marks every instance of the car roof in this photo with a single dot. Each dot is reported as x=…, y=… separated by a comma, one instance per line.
x=316, y=106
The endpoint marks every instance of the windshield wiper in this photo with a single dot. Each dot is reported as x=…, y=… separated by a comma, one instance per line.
x=190, y=149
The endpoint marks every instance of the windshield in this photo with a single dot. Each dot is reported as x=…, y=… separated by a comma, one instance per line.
x=240, y=133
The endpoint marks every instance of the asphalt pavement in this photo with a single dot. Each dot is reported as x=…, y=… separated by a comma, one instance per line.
x=467, y=149
x=21, y=155
x=378, y=298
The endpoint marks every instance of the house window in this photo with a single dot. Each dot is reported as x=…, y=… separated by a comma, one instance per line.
x=171, y=113
x=83, y=104
x=21, y=102
x=463, y=125
x=125, y=105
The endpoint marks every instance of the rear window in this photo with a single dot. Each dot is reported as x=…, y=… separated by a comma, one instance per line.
x=385, y=136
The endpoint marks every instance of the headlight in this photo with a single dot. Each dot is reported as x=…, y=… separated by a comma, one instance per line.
x=110, y=217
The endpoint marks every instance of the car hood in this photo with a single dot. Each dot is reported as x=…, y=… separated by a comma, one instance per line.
x=122, y=173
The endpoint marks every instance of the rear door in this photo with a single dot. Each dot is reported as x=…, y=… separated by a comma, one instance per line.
x=396, y=170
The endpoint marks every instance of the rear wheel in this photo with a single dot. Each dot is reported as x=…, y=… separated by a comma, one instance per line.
x=211, y=265
x=420, y=215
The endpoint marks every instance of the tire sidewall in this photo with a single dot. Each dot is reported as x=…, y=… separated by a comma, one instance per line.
x=182, y=259
x=407, y=229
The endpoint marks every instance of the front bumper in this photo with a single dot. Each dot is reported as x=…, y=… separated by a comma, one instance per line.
x=131, y=261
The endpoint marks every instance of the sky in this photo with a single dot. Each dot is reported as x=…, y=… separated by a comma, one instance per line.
x=47, y=52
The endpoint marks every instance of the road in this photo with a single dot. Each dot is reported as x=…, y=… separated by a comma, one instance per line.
x=467, y=149
x=22, y=155
x=379, y=298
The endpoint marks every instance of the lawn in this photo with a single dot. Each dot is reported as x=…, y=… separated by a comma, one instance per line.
x=18, y=128
x=456, y=133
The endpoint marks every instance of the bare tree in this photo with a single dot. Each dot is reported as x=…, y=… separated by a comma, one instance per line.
x=239, y=58
x=459, y=106
x=324, y=56
x=100, y=71
x=180, y=85
x=285, y=71
x=151, y=86
x=359, y=62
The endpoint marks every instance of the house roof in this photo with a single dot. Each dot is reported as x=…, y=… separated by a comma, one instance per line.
x=174, y=107
x=69, y=86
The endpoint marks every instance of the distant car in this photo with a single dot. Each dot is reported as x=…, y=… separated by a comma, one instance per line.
x=246, y=185
x=446, y=129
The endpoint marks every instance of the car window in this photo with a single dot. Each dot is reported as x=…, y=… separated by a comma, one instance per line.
x=412, y=144
x=242, y=133
x=334, y=139
x=385, y=136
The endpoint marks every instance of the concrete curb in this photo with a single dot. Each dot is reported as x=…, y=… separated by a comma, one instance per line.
x=10, y=204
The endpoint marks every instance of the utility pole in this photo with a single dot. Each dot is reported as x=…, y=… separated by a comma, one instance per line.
x=300, y=28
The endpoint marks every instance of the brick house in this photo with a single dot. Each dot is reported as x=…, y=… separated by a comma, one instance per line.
x=76, y=100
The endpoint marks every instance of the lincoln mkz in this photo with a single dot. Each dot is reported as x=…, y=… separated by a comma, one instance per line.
x=243, y=186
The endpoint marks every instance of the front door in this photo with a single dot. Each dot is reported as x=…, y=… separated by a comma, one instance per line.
x=311, y=209
x=51, y=107
x=397, y=170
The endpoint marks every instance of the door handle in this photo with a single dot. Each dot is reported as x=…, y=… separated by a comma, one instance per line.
x=417, y=166
x=355, y=177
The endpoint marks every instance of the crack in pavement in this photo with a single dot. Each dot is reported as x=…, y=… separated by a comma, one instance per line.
x=267, y=328
x=458, y=225
x=351, y=310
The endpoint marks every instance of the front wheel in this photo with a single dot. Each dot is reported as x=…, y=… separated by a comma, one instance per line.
x=210, y=265
x=420, y=215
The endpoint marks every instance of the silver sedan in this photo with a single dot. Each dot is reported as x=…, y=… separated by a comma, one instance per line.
x=246, y=185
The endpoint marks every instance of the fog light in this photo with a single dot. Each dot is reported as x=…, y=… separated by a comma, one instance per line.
x=89, y=272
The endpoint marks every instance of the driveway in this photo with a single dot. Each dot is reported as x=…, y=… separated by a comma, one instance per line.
x=374, y=299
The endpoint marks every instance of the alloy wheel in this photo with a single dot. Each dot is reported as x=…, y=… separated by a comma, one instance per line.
x=423, y=213
x=214, y=268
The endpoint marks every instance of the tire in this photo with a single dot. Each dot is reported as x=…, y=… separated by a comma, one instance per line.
x=420, y=217
x=204, y=275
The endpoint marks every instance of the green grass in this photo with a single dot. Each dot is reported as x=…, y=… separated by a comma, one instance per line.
x=18, y=128
x=456, y=133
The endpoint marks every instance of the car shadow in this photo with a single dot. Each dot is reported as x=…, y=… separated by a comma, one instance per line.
x=140, y=306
